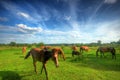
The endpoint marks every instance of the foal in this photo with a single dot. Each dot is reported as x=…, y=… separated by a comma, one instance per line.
x=42, y=56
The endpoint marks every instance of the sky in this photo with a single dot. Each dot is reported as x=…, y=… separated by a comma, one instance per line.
x=59, y=21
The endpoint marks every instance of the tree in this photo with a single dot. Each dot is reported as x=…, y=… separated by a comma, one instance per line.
x=12, y=43
x=99, y=42
x=40, y=44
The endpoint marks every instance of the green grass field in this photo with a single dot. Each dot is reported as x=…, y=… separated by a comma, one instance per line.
x=14, y=67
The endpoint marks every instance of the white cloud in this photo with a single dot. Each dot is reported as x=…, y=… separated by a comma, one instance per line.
x=25, y=15
x=26, y=29
x=67, y=18
x=110, y=1
x=108, y=31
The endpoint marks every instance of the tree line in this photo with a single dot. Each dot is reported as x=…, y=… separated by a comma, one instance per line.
x=98, y=43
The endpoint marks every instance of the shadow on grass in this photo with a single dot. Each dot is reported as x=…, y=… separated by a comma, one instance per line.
x=105, y=64
x=9, y=75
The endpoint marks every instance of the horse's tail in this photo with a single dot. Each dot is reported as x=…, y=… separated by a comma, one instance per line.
x=62, y=53
x=28, y=54
x=97, y=52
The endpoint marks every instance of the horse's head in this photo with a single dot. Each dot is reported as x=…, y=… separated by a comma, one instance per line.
x=61, y=53
x=74, y=48
x=55, y=56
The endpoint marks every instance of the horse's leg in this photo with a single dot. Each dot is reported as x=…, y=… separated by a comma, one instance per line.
x=82, y=51
x=72, y=53
x=45, y=71
x=34, y=64
x=101, y=54
x=113, y=55
x=42, y=69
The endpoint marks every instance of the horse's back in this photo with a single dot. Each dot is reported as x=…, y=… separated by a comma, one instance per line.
x=84, y=48
x=37, y=54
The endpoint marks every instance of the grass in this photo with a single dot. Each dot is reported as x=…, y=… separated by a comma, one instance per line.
x=14, y=67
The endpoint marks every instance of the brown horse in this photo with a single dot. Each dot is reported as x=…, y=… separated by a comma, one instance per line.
x=45, y=47
x=24, y=50
x=106, y=49
x=84, y=48
x=59, y=52
x=74, y=48
x=43, y=56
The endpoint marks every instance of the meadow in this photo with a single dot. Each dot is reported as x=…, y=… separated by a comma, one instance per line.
x=14, y=67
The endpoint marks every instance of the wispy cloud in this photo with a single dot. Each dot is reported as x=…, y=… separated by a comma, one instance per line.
x=3, y=19
x=25, y=15
x=110, y=1
x=10, y=6
x=68, y=18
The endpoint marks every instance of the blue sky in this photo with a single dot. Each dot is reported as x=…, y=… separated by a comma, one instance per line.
x=59, y=21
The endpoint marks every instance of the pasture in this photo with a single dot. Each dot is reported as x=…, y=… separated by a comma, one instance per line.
x=14, y=67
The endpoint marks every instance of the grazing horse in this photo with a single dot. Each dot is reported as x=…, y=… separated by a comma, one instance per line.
x=84, y=48
x=75, y=53
x=24, y=50
x=43, y=56
x=106, y=49
x=59, y=52
x=74, y=48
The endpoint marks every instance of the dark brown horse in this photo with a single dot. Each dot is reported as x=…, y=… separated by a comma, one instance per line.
x=84, y=48
x=76, y=53
x=102, y=50
x=43, y=56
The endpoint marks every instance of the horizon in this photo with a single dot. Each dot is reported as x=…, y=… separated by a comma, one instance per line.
x=59, y=21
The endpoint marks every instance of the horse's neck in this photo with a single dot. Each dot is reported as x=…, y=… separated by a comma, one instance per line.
x=47, y=55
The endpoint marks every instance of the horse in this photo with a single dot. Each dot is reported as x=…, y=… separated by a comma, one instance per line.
x=43, y=56
x=84, y=48
x=74, y=48
x=45, y=47
x=24, y=50
x=75, y=53
x=59, y=52
x=106, y=49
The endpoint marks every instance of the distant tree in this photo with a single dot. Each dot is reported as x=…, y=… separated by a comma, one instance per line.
x=40, y=44
x=12, y=43
x=99, y=42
